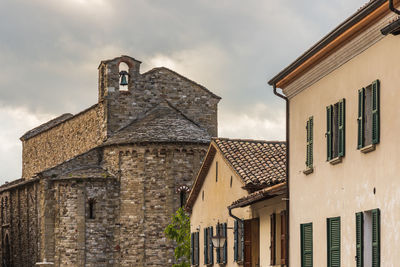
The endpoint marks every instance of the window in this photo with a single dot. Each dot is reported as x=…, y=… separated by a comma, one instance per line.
x=182, y=190
x=216, y=171
x=335, y=132
x=208, y=246
x=238, y=231
x=306, y=237
x=368, y=238
x=310, y=141
x=222, y=253
x=368, y=115
x=91, y=203
x=333, y=236
x=194, y=248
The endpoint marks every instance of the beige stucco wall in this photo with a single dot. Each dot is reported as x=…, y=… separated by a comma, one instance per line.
x=347, y=188
x=217, y=197
x=263, y=210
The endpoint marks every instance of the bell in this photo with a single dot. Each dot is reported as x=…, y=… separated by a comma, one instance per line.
x=124, y=80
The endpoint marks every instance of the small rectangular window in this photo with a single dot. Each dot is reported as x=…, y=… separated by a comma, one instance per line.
x=216, y=171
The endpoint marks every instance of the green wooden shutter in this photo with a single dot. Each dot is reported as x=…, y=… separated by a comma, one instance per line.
x=375, y=112
x=197, y=254
x=329, y=132
x=376, y=238
x=309, y=154
x=360, y=119
x=241, y=226
x=218, y=251
x=206, y=246
x=211, y=246
x=236, y=243
x=333, y=242
x=359, y=239
x=225, y=248
x=311, y=134
x=341, y=127
x=308, y=144
x=306, y=236
x=192, y=248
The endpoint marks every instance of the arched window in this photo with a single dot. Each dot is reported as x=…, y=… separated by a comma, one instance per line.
x=182, y=190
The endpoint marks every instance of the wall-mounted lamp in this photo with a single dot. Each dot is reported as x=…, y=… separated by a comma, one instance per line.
x=219, y=239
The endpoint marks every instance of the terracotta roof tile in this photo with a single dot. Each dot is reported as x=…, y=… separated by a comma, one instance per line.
x=259, y=163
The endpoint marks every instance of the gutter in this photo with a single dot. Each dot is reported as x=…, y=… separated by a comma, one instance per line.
x=287, y=172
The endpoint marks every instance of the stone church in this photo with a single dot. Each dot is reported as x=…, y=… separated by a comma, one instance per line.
x=99, y=187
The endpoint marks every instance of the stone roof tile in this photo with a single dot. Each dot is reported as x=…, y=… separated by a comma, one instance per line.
x=164, y=123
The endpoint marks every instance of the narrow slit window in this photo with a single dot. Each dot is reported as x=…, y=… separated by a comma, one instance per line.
x=92, y=203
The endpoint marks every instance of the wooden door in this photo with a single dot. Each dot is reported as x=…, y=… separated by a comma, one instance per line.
x=252, y=243
x=255, y=242
x=247, y=243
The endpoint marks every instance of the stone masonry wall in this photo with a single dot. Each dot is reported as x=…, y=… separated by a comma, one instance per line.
x=81, y=240
x=20, y=224
x=151, y=88
x=149, y=176
x=64, y=141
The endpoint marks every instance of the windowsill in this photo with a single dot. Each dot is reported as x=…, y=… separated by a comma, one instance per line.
x=336, y=160
x=368, y=148
x=308, y=170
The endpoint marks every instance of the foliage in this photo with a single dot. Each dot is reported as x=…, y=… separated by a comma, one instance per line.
x=179, y=231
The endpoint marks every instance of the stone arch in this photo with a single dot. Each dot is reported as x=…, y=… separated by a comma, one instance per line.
x=182, y=190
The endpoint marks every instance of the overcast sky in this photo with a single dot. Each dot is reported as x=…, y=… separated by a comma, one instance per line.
x=50, y=50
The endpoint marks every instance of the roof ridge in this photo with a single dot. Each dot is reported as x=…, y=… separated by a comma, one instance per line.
x=249, y=140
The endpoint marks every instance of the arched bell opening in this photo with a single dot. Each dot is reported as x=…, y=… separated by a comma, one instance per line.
x=124, y=76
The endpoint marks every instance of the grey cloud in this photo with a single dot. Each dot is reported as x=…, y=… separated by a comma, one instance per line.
x=50, y=49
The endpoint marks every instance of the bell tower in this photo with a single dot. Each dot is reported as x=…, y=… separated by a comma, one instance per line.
x=110, y=75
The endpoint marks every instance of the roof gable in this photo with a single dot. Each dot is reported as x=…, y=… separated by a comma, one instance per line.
x=160, y=69
x=260, y=164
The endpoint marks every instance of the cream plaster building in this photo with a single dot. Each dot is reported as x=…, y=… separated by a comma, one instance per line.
x=239, y=187
x=344, y=151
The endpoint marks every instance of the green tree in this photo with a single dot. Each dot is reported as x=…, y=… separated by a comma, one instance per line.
x=179, y=231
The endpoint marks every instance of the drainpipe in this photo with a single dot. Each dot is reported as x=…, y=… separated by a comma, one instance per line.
x=233, y=216
x=287, y=171
x=392, y=8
